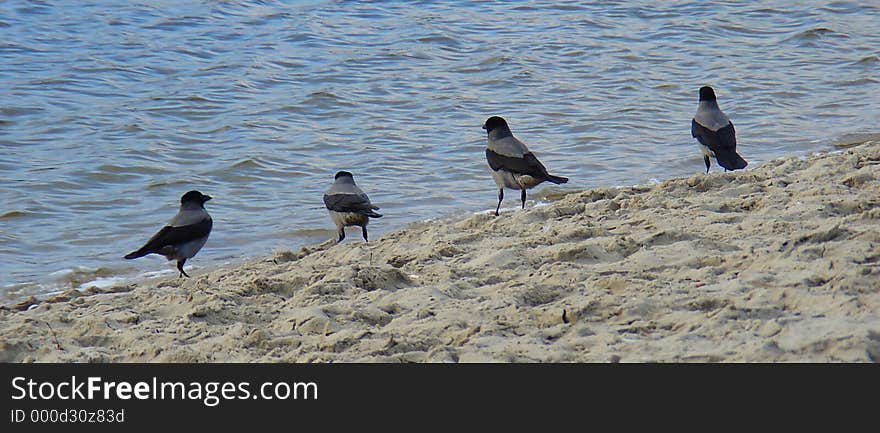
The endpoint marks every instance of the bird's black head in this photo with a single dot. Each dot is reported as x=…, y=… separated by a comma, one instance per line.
x=495, y=122
x=343, y=174
x=707, y=94
x=194, y=197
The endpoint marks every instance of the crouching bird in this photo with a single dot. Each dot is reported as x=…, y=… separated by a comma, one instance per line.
x=184, y=236
x=513, y=164
x=349, y=205
x=711, y=127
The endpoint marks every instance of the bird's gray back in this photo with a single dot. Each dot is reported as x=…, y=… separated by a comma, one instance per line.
x=710, y=116
x=508, y=146
x=344, y=188
x=188, y=216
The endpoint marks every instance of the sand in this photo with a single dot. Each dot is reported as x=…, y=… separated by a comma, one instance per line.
x=776, y=263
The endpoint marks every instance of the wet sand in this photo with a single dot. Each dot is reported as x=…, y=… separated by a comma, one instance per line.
x=776, y=263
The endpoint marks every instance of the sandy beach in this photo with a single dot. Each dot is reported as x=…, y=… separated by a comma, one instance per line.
x=776, y=263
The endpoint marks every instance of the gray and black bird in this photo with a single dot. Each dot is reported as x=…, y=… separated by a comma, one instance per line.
x=715, y=132
x=184, y=236
x=349, y=205
x=513, y=165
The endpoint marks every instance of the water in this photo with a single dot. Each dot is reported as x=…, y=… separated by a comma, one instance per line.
x=112, y=110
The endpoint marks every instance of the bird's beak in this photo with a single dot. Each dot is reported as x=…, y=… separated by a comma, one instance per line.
x=484, y=126
x=207, y=197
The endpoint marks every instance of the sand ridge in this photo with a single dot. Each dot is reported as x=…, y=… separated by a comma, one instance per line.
x=776, y=263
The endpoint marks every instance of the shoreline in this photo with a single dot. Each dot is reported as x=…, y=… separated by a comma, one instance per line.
x=71, y=278
x=776, y=263
x=107, y=278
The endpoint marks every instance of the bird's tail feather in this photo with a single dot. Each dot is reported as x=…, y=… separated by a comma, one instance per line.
x=373, y=214
x=730, y=160
x=136, y=254
x=556, y=179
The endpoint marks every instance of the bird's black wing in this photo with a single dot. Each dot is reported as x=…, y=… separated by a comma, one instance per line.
x=359, y=203
x=174, y=236
x=721, y=140
x=527, y=165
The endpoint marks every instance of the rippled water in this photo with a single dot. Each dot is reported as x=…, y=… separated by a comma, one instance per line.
x=111, y=110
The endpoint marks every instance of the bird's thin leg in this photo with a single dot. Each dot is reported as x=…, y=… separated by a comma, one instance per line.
x=523, y=198
x=364, y=230
x=706, y=160
x=341, y=234
x=180, y=268
x=500, y=197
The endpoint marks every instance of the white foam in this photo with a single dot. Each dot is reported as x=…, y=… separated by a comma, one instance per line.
x=59, y=283
x=62, y=273
x=154, y=274
x=103, y=282
x=502, y=210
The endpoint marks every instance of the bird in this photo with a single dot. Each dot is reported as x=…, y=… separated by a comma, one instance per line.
x=184, y=236
x=715, y=133
x=513, y=165
x=349, y=205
